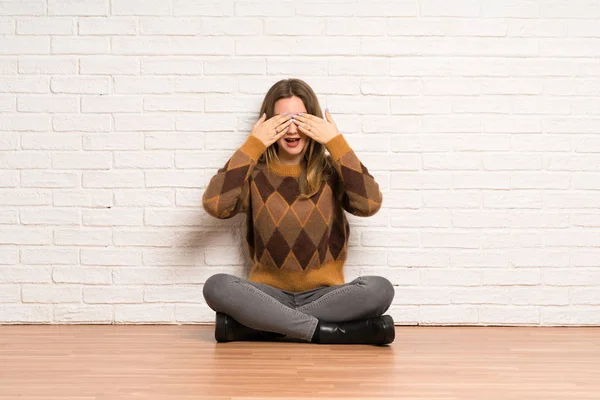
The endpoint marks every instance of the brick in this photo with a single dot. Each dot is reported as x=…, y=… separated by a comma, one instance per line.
x=47, y=179
x=171, y=65
x=170, y=26
x=110, y=256
x=79, y=313
x=133, y=122
x=113, y=141
x=144, y=160
x=82, y=160
x=113, y=179
x=9, y=178
x=8, y=217
x=10, y=293
x=144, y=197
x=455, y=277
x=25, y=197
x=511, y=277
x=570, y=315
x=51, y=293
x=174, y=141
x=539, y=296
x=112, y=294
x=82, y=237
x=82, y=123
x=190, y=313
x=140, y=85
x=172, y=294
x=49, y=256
x=55, y=65
x=45, y=141
x=509, y=315
x=113, y=217
x=16, y=45
x=448, y=315
x=25, y=274
x=173, y=103
x=45, y=26
x=386, y=238
x=142, y=7
x=25, y=313
x=479, y=259
x=144, y=313
x=82, y=275
x=109, y=65
x=170, y=257
x=25, y=235
x=78, y=7
x=106, y=26
x=80, y=45
x=193, y=179
x=49, y=216
x=143, y=238
x=80, y=85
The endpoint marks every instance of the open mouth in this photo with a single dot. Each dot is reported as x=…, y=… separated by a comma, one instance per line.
x=292, y=140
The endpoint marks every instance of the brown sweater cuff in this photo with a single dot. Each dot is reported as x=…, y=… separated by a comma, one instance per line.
x=253, y=147
x=338, y=146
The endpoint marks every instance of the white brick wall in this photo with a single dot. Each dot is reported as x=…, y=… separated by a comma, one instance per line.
x=479, y=118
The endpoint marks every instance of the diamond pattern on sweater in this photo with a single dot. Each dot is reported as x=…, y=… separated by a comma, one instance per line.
x=264, y=187
x=291, y=263
x=289, y=189
x=290, y=227
x=267, y=226
x=277, y=207
x=278, y=248
x=233, y=177
x=303, y=248
x=354, y=181
x=302, y=210
x=324, y=204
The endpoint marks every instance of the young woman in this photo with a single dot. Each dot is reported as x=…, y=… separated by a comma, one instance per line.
x=294, y=197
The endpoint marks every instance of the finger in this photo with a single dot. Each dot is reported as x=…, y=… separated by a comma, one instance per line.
x=306, y=131
x=279, y=135
x=300, y=123
x=308, y=117
x=278, y=119
x=285, y=124
x=261, y=119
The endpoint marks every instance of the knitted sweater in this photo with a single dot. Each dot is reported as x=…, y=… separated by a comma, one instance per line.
x=295, y=244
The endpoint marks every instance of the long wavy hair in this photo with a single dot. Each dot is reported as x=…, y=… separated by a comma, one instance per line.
x=317, y=168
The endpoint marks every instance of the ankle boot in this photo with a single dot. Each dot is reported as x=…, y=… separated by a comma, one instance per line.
x=228, y=329
x=376, y=330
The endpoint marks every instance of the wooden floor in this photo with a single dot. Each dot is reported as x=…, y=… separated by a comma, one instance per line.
x=104, y=362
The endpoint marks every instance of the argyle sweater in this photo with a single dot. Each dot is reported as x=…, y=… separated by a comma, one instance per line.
x=295, y=244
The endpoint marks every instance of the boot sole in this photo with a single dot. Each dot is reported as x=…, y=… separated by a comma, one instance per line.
x=221, y=328
x=390, y=330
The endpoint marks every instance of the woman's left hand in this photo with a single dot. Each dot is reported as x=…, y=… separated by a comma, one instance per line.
x=317, y=128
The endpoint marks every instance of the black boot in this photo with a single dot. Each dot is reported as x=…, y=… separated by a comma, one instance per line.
x=376, y=330
x=228, y=329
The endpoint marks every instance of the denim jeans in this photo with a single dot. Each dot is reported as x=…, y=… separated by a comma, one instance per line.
x=296, y=314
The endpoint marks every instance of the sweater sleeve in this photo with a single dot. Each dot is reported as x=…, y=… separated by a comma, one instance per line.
x=361, y=193
x=228, y=191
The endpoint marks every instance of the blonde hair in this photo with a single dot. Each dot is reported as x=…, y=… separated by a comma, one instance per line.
x=317, y=168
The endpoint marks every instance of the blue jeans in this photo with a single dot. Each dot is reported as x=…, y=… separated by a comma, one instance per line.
x=296, y=314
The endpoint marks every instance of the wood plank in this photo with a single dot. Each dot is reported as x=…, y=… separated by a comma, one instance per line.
x=84, y=362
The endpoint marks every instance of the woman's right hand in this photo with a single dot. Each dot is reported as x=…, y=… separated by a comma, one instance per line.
x=271, y=130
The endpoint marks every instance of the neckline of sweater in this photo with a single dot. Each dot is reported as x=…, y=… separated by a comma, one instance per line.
x=284, y=169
